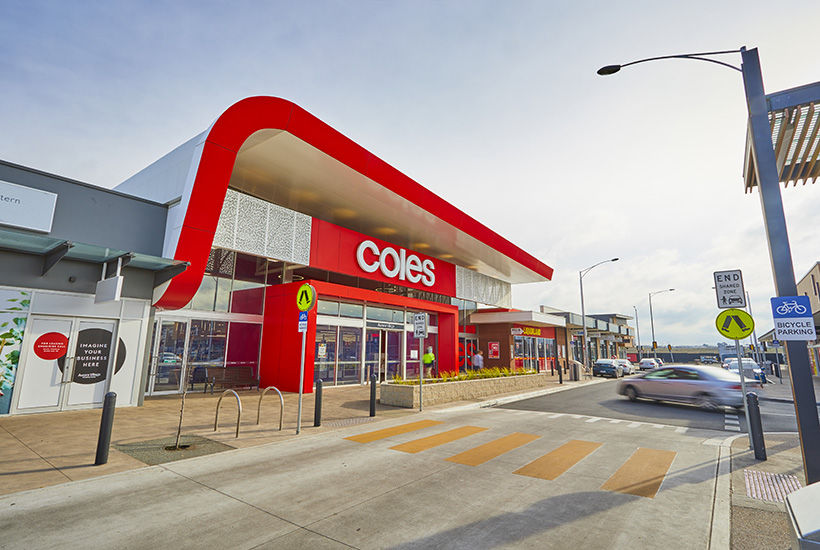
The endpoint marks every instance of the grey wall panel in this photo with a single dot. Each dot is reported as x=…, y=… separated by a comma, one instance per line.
x=93, y=215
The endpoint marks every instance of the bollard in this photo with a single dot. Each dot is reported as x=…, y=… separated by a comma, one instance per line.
x=756, y=425
x=317, y=410
x=106, y=423
x=373, y=395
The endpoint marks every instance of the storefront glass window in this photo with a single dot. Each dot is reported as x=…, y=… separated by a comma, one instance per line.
x=206, y=347
x=379, y=314
x=325, y=354
x=214, y=292
x=324, y=307
x=350, y=355
x=248, y=294
x=413, y=355
x=351, y=310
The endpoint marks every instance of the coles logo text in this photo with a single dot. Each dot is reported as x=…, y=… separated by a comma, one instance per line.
x=407, y=267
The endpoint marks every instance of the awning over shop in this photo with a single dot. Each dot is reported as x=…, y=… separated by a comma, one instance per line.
x=794, y=116
x=532, y=318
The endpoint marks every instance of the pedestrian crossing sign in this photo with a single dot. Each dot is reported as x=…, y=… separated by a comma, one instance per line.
x=306, y=297
x=735, y=324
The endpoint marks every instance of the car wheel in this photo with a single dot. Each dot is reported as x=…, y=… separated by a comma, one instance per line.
x=707, y=402
x=631, y=393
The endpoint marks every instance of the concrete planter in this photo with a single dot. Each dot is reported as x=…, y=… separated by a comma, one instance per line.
x=400, y=395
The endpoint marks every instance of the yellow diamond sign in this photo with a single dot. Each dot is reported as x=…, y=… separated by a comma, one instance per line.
x=735, y=324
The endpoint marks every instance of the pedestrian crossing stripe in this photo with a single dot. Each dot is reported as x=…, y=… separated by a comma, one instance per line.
x=367, y=437
x=642, y=474
x=493, y=449
x=556, y=462
x=429, y=442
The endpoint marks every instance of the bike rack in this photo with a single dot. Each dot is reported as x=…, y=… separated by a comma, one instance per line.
x=281, y=406
x=238, y=411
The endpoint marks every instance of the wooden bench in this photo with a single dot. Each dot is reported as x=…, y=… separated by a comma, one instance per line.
x=231, y=377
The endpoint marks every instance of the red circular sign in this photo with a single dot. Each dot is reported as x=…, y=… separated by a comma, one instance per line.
x=51, y=345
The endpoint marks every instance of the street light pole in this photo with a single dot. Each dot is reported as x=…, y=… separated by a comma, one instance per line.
x=652, y=322
x=583, y=311
x=638, y=330
x=774, y=218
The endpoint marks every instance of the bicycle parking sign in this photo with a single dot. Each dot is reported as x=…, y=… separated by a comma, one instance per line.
x=792, y=318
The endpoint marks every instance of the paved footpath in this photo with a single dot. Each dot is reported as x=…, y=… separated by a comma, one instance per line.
x=433, y=480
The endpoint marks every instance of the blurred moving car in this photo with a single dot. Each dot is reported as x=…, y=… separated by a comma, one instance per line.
x=607, y=367
x=750, y=367
x=627, y=366
x=648, y=364
x=708, y=387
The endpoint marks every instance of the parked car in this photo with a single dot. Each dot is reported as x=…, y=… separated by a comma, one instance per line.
x=627, y=365
x=648, y=364
x=750, y=367
x=607, y=367
x=709, y=387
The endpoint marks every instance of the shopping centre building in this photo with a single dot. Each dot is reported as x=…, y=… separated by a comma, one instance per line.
x=191, y=267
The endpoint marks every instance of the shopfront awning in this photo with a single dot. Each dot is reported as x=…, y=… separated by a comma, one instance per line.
x=530, y=318
x=272, y=149
x=794, y=116
x=53, y=250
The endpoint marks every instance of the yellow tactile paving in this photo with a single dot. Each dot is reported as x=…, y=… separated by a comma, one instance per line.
x=425, y=443
x=556, y=462
x=642, y=474
x=389, y=432
x=489, y=451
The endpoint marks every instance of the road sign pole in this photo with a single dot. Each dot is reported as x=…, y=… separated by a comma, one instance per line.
x=743, y=389
x=301, y=384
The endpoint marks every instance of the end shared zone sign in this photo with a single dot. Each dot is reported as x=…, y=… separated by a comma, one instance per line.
x=792, y=318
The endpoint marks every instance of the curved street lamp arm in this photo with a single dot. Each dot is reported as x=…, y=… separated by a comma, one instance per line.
x=612, y=69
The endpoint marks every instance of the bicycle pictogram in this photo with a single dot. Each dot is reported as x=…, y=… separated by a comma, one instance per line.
x=788, y=307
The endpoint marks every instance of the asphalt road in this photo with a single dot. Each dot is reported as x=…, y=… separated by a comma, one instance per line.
x=602, y=400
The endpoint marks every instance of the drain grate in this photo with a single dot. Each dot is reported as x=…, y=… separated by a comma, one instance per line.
x=769, y=487
x=349, y=421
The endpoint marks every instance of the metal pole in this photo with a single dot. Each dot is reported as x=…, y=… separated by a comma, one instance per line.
x=583, y=318
x=421, y=383
x=638, y=329
x=652, y=322
x=372, y=395
x=301, y=385
x=771, y=202
x=743, y=389
x=317, y=410
x=106, y=423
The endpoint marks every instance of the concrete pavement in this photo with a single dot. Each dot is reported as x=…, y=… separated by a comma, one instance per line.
x=318, y=490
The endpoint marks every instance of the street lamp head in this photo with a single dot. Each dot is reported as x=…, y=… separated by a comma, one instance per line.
x=614, y=260
x=608, y=70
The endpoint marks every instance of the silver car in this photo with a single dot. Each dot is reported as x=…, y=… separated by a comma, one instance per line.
x=627, y=365
x=709, y=387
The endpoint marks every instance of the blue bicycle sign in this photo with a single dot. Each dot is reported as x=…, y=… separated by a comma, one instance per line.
x=791, y=307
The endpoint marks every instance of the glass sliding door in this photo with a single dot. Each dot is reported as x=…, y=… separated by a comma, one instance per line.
x=325, y=355
x=170, y=340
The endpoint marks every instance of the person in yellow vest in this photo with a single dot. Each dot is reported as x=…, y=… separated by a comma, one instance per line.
x=429, y=360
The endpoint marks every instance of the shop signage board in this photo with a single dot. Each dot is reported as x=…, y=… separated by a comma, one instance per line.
x=729, y=289
x=495, y=350
x=516, y=331
x=792, y=318
x=26, y=208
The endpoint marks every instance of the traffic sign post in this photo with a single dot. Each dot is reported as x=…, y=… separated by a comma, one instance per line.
x=729, y=289
x=792, y=318
x=305, y=301
x=736, y=324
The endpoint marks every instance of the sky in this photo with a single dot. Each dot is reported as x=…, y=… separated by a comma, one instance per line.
x=494, y=106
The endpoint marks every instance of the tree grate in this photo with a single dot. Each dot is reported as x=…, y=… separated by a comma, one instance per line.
x=769, y=487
